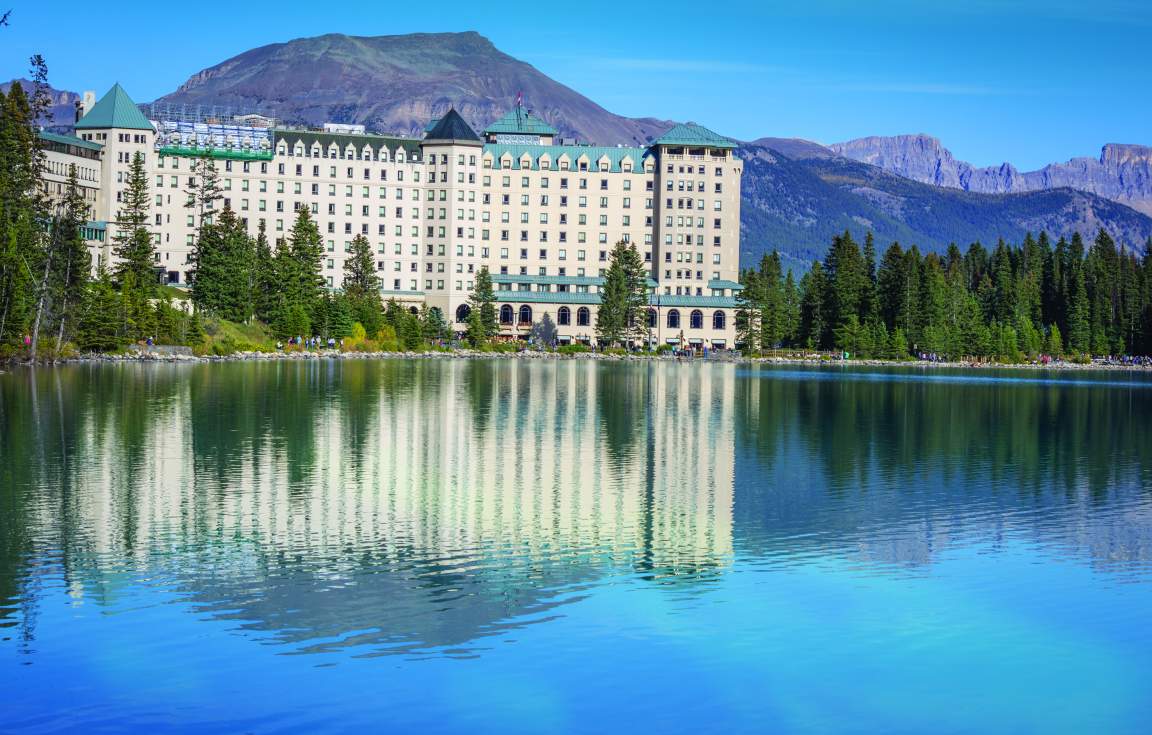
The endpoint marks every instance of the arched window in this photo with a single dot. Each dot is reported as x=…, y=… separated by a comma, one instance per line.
x=525, y=314
x=719, y=320
x=674, y=319
x=462, y=312
x=413, y=310
x=506, y=314
x=651, y=318
x=583, y=316
x=564, y=316
x=696, y=319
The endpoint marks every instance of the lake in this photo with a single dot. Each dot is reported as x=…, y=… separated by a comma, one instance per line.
x=515, y=546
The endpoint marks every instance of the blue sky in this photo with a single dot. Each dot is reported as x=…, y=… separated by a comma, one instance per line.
x=1028, y=82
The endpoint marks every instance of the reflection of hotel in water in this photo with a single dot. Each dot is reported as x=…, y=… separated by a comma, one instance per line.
x=503, y=482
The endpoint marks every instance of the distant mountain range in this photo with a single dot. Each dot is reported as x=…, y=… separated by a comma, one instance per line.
x=796, y=193
x=62, y=112
x=1122, y=173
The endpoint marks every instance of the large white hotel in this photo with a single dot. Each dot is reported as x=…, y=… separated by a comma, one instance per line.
x=542, y=215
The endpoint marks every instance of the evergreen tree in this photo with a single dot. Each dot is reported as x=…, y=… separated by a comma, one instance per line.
x=222, y=261
x=264, y=280
x=623, y=310
x=482, y=303
x=848, y=282
x=74, y=262
x=1079, y=328
x=362, y=285
x=301, y=287
x=433, y=324
x=203, y=191
x=99, y=326
x=812, y=293
x=749, y=311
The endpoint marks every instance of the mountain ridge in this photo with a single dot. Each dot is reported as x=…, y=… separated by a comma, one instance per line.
x=395, y=84
x=1122, y=172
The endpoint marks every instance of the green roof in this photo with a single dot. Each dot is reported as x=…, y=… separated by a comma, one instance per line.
x=115, y=110
x=734, y=285
x=235, y=154
x=616, y=155
x=70, y=140
x=699, y=302
x=547, y=297
x=693, y=135
x=342, y=140
x=521, y=122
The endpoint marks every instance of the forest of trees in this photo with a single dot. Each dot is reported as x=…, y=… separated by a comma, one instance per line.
x=1010, y=303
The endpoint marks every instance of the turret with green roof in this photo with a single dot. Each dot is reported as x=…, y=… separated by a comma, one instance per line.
x=520, y=126
x=114, y=110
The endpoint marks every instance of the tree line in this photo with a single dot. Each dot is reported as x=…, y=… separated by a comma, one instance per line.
x=1010, y=303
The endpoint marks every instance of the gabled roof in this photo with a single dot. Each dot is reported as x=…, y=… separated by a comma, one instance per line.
x=691, y=134
x=452, y=127
x=342, y=140
x=115, y=110
x=521, y=121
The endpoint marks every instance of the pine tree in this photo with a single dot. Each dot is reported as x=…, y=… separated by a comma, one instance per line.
x=99, y=327
x=134, y=249
x=263, y=278
x=222, y=261
x=362, y=285
x=813, y=287
x=22, y=209
x=483, y=304
x=1079, y=329
x=203, y=190
x=74, y=262
x=433, y=324
x=622, y=315
x=749, y=312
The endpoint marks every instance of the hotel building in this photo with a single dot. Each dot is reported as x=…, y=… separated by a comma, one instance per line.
x=541, y=214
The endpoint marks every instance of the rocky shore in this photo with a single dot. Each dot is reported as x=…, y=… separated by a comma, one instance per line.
x=171, y=357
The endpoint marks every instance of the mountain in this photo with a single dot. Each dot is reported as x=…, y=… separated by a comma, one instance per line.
x=1122, y=173
x=796, y=204
x=62, y=112
x=398, y=83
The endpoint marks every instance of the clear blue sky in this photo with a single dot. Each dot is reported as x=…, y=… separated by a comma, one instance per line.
x=1028, y=82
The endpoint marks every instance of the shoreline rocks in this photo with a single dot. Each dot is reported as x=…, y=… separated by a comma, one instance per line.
x=184, y=356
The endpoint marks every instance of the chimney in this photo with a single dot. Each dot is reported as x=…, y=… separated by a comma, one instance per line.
x=89, y=101
x=79, y=111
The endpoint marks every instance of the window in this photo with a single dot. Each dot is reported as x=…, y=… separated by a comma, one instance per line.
x=651, y=318
x=506, y=314
x=525, y=314
x=564, y=316
x=696, y=319
x=719, y=320
x=583, y=317
x=673, y=319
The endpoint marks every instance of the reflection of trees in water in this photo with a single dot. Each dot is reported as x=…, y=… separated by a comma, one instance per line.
x=424, y=503
x=935, y=457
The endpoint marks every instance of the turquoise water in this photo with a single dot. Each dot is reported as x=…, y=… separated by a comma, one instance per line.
x=534, y=547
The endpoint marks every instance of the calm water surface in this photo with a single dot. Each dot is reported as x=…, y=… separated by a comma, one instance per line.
x=519, y=547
